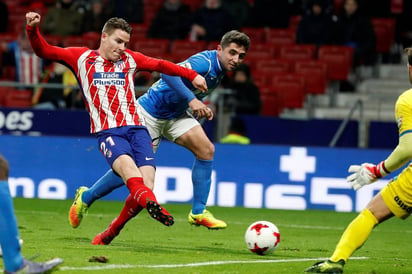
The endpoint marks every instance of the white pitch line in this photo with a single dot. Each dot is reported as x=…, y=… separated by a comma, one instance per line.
x=123, y=266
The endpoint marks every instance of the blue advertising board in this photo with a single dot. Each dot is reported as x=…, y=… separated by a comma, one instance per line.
x=253, y=176
x=260, y=129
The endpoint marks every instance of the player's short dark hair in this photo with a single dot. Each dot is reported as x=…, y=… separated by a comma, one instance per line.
x=236, y=37
x=408, y=52
x=116, y=23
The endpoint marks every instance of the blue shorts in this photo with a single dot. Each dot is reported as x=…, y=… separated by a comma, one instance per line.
x=131, y=140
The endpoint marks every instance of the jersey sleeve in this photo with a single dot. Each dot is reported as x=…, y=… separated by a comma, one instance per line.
x=199, y=63
x=403, y=114
x=153, y=64
x=179, y=87
x=67, y=56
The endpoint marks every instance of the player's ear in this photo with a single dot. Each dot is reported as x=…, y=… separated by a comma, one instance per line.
x=104, y=35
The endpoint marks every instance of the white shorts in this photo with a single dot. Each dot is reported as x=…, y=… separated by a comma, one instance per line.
x=170, y=129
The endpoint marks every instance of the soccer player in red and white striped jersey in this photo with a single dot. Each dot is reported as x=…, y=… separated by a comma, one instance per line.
x=105, y=76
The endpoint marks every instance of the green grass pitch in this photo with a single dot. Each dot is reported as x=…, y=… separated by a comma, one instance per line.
x=146, y=246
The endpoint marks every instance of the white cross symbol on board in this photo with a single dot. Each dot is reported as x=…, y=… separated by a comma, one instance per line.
x=297, y=163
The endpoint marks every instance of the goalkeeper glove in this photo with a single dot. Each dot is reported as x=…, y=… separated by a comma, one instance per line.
x=365, y=174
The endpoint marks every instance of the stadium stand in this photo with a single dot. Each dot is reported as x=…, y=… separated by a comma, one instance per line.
x=268, y=57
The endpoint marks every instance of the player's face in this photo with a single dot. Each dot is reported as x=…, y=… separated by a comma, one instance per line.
x=231, y=56
x=410, y=73
x=113, y=45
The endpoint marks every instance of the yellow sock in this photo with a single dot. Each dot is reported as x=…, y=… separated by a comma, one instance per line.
x=355, y=235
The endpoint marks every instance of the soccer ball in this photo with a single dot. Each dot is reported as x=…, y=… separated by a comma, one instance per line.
x=262, y=237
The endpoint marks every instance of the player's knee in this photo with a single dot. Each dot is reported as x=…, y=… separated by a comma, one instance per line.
x=4, y=169
x=207, y=152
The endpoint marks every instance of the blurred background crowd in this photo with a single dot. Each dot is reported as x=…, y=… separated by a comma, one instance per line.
x=298, y=47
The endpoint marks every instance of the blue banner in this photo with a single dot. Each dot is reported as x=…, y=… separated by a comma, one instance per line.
x=253, y=176
x=36, y=122
x=260, y=130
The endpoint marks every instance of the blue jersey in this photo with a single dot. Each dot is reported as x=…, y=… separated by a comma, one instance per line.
x=163, y=102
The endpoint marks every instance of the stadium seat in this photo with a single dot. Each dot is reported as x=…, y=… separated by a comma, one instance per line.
x=294, y=22
x=139, y=32
x=338, y=5
x=8, y=37
x=54, y=40
x=385, y=33
x=272, y=103
x=258, y=52
x=339, y=60
x=93, y=37
x=158, y=48
x=297, y=52
x=16, y=22
x=194, y=4
x=315, y=73
x=18, y=98
x=254, y=56
x=281, y=36
x=212, y=45
x=263, y=47
x=8, y=73
x=291, y=87
x=3, y=94
x=256, y=35
x=261, y=80
x=150, y=12
x=182, y=49
x=271, y=66
x=74, y=41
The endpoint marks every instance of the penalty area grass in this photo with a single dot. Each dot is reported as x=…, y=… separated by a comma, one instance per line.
x=146, y=246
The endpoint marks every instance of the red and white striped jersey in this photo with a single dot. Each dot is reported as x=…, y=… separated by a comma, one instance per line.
x=29, y=67
x=108, y=88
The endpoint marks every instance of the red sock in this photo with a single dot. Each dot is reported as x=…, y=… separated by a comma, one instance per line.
x=139, y=191
x=131, y=208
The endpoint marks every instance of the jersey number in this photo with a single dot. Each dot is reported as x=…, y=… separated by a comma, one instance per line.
x=104, y=147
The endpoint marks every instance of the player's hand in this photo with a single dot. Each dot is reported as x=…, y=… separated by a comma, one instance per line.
x=364, y=174
x=33, y=19
x=200, y=110
x=200, y=83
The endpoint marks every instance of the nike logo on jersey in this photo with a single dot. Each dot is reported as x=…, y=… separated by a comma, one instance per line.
x=149, y=158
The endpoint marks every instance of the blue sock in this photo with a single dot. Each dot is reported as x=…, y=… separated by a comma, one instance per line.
x=9, y=234
x=106, y=184
x=201, y=178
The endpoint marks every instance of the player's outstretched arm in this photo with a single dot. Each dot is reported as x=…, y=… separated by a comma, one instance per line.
x=368, y=173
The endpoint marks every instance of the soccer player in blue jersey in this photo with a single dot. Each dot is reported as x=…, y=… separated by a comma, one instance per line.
x=165, y=109
x=9, y=234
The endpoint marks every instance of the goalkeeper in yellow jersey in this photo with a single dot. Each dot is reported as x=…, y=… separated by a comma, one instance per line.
x=395, y=199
